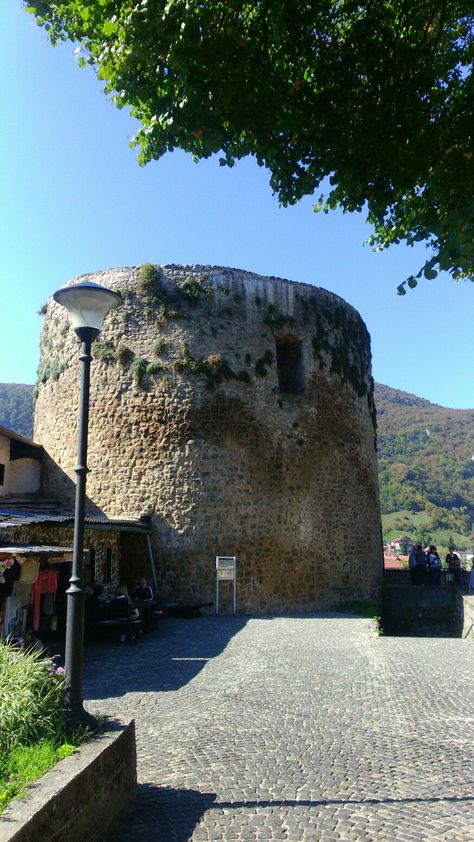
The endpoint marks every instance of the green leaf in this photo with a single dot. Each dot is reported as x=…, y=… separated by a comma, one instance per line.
x=308, y=90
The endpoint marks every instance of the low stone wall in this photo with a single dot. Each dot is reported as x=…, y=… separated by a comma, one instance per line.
x=465, y=605
x=420, y=611
x=81, y=795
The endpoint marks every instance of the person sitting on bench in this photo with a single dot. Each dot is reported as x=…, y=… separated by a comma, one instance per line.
x=122, y=608
x=143, y=591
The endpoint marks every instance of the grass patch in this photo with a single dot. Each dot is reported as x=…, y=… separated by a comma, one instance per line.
x=25, y=764
x=361, y=607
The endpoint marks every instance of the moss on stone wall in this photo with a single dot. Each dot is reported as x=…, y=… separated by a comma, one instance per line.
x=215, y=368
x=162, y=302
x=276, y=320
x=49, y=369
x=341, y=342
x=262, y=364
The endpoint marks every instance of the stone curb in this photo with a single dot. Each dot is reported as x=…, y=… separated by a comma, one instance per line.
x=81, y=795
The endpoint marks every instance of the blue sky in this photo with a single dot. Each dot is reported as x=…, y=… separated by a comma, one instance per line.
x=73, y=200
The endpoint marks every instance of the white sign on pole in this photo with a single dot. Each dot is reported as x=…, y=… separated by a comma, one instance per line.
x=226, y=570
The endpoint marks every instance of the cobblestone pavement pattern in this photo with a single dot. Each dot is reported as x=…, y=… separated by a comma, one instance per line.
x=295, y=729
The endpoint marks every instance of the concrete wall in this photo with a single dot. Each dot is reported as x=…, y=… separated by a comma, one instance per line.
x=22, y=476
x=465, y=606
x=420, y=611
x=223, y=455
x=80, y=797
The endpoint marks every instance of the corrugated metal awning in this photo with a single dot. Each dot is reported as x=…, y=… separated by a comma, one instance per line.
x=19, y=512
x=40, y=550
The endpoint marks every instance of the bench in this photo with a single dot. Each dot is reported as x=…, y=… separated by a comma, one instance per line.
x=129, y=627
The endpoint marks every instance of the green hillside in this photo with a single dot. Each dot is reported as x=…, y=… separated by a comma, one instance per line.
x=426, y=463
x=16, y=408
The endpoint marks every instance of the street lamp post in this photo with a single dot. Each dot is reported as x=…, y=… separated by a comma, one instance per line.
x=88, y=305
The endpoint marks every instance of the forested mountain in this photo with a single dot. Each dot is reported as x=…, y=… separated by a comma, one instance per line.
x=426, y=459
x=425, y=452
x=16, y=408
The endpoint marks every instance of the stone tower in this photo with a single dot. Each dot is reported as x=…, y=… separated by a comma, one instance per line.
x=238, y=411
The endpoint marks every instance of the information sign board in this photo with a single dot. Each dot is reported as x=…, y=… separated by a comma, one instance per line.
x=226, y=570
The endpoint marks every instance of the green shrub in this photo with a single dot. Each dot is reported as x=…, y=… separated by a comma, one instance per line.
x=104, y=351
x=123, y=354
x=139, y=369
x=31, y=699
x=275, y=320
x=159, y=347
x=156, y=368
x=149, y=278
x=262, y=363
x=51, y=369
x=192, y=289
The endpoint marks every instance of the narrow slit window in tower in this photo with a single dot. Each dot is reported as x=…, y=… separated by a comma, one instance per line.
x=290, y=365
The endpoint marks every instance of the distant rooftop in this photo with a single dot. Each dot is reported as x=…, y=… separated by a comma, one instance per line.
x=10, y=434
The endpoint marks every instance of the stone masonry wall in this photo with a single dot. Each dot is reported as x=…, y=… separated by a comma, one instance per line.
x=237, y=410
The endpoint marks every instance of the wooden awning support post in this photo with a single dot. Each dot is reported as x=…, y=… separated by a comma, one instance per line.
x=152, y=564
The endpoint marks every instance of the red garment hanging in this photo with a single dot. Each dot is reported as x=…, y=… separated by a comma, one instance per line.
x=47, y=582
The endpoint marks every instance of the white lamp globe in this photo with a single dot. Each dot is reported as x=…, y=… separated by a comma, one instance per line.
x=88, y=304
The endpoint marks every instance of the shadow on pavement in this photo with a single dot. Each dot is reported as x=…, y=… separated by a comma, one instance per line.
x=161, y=814
x=160, y=661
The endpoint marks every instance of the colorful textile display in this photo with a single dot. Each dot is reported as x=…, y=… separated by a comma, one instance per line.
x=46, y=583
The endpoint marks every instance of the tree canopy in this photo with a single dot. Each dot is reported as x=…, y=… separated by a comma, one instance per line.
x=368, y=101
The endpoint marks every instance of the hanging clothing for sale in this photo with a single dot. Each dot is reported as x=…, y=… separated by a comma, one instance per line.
x=9, y=573
x=29, y=570
x=46, y=583
x=22, y=592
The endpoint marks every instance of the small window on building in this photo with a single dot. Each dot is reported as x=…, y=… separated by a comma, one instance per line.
x=290, y=365
x=108, y=565
x=2, y=474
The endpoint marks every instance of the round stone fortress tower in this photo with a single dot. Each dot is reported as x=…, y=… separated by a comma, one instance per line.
x=238, y=411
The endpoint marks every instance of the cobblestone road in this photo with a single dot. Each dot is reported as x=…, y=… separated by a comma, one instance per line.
x=294, y=729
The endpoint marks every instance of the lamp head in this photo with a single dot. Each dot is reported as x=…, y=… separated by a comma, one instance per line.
x=88, y=304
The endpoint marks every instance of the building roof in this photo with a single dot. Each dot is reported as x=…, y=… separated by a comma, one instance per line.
x=10, y=434
x=8, y=550
x=26, y=510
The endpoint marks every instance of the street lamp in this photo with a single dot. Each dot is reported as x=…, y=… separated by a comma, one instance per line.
x=88, y=305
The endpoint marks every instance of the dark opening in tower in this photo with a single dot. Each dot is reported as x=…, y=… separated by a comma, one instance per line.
x=290, y=364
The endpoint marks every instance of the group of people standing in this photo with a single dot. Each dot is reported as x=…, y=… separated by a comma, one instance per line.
x=422, y=561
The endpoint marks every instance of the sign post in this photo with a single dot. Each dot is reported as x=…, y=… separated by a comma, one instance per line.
x=226, y=571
